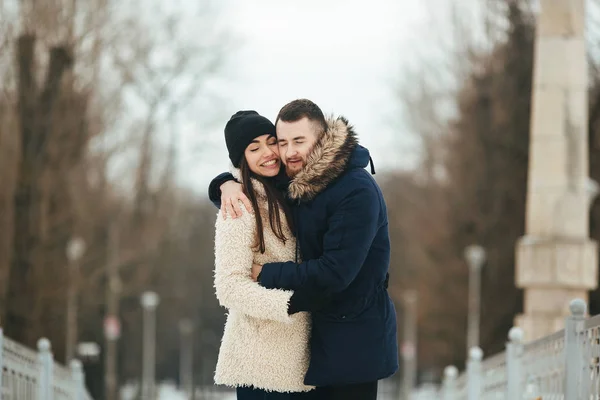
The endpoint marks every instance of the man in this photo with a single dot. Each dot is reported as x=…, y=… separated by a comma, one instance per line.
x=342, y=232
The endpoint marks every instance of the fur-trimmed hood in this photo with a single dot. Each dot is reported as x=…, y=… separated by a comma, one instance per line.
x=328, y=159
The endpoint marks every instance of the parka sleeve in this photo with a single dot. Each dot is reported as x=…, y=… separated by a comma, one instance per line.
x=235, y=289
x=214, y=188
x=350, y=232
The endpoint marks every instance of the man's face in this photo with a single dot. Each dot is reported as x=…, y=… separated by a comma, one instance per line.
x=296, y=140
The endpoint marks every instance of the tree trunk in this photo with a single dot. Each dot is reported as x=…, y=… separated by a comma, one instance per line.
x=8, y=166
x=35, y=117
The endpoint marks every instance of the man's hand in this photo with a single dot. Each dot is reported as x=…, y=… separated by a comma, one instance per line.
x=256, y=269
x=231, y=194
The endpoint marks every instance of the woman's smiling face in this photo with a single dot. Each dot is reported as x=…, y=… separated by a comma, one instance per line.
x=262, y=156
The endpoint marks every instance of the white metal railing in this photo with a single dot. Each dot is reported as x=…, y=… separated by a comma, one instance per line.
x=543, y=366
x=562, y=366
x=590, y=339
x=29, y=375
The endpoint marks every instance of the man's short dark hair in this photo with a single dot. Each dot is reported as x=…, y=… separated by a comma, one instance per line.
x=302, y=108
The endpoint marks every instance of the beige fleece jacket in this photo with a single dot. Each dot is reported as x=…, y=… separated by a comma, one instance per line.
x=262, y=345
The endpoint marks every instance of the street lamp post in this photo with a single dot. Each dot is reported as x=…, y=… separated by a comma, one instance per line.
x=112, y=324
x=186, y=357
x=75, y=249
x=149, y=302
x=409, y=344
x=475, y=256
x=89, y=354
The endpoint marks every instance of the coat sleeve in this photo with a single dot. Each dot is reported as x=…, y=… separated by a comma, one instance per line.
x=234, y=286
x=214, y=188
x=350, y=231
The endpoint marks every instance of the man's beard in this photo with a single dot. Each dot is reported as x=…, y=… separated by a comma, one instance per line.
x=293, y=172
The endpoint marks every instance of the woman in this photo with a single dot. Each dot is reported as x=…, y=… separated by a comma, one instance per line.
x=264, y=352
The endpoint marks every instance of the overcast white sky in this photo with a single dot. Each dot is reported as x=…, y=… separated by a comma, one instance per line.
x=342, y=54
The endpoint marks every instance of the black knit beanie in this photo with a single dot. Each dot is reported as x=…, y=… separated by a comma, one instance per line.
x=243, y=127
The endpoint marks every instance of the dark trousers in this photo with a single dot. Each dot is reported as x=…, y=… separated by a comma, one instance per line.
x=359, y=391
x=250, y=393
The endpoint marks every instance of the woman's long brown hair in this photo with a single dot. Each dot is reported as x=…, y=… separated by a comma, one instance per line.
x=275, y=201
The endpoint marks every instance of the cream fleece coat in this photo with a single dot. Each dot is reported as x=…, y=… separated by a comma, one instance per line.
x=262, y=345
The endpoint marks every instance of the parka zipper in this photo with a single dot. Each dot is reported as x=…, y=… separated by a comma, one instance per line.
x=297, y=229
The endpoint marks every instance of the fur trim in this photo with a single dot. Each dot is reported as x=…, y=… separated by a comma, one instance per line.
x=327, y=160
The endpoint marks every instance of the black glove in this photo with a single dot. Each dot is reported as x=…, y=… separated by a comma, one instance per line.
x=306, y=300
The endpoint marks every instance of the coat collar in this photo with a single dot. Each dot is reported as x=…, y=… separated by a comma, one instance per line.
x=327, y=160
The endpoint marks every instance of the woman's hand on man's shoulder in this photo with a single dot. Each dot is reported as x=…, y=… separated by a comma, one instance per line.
x=231, y=196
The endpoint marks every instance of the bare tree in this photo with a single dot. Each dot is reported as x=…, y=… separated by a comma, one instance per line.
x=473, y=122
x=99, y=85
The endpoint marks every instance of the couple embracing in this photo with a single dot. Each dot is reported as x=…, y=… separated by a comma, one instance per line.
x=302, y=253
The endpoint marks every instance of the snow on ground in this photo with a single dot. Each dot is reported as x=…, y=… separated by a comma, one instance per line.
x=169, y=391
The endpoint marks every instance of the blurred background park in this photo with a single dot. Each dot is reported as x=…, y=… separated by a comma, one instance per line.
x=111, y=121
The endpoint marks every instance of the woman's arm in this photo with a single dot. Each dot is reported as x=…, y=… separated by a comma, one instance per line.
x=235, y=288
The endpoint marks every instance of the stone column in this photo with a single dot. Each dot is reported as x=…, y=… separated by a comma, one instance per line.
x=555, y=260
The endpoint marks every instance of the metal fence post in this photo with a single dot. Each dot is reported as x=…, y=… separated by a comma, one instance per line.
x=474, y=374
x=50, y=363
x=574, y=325
x=449, y=383
x=46, y=369
x=531, y=390
x=1, y=359
x=78, y=379
x=514, y=349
